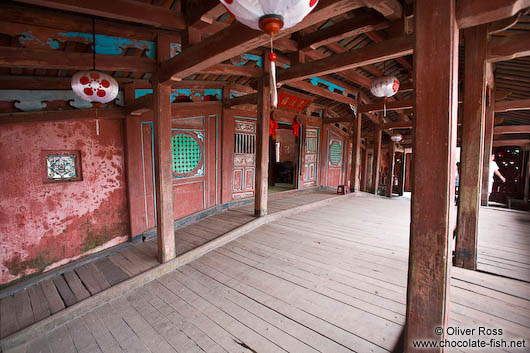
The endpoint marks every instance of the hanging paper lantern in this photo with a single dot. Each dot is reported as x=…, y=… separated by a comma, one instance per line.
x=385, y=86
x=396, y=138
x=269, y=15
x=95, y=86
x=296, y=129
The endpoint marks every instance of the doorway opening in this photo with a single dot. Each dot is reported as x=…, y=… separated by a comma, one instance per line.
x=283, y=159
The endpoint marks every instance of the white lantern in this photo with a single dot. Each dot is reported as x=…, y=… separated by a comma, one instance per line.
x=385, y=86
x=396, y=138
x=95, y=86
x=269, y=15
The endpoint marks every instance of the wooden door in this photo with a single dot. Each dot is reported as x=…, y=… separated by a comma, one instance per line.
x=335, y=160
x=244, y=159
x=310, y=157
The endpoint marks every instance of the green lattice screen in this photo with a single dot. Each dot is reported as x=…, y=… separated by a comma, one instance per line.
x=186, y=153
x=335, y=153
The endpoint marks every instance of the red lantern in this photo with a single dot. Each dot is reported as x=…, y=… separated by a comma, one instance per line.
x=273, y=126
x=296, y=129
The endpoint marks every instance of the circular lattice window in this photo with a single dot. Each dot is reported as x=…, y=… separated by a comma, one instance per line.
x=335, y=153
x=187, y=155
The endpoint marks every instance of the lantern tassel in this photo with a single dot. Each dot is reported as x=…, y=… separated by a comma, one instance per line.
x=274, y=92
x=384, y=107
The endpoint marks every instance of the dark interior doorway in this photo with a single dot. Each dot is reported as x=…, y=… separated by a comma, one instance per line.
x=283, y=161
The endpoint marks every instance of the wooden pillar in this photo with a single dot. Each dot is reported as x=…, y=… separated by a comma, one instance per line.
x=402, y=178
x=377, y=159
x=488, y=143
x=471, y=154
x=391, y=164
x=365, y=171
x=163, y=165
x=355, y=183
x=527, y=177
x=262, y=143
x=436, y=41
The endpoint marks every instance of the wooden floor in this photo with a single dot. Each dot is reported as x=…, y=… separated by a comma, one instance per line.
x=328, y=280
x=504, y=242
x=50, y=296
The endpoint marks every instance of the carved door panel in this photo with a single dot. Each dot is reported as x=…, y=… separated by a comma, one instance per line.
x=310, y=157
x=244, y=159
x=335, y=161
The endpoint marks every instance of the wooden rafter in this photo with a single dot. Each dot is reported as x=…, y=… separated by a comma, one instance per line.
x=125, y=10
x=505, y=106
x=471, y=13
x=378, y=107
x=62, y=115
x=238, y=38
x=511, y=129
x=502, y=49
x=390, y=49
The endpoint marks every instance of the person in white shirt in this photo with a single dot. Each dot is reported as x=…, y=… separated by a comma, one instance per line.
x=494, y=170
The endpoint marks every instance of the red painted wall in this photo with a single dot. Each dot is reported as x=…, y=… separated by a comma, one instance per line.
x=45, y=225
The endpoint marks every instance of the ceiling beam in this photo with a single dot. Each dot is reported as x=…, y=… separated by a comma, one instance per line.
x=55, y=83
x=236, y=70
x=379, y=107
x=502, y=49
x=511, y=129
x=471, y=13
x=201, y=11
x=62, y=115
x=342, y=119
x=323, y=92
x=241, y=100
x=371, y=54
x=391, y=9
x=238, y=38
x=505, y=106
x=397, y=125
x=124, y=10
x=56, y=59
x=504, y=143
x=347, y=28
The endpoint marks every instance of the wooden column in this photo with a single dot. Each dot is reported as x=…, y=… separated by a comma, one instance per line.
x=365, y=171
x=163, y=167
x=262, y=143
x=376, y=160
x=488, y=143
x=402, y=179
x=527, y=177
x=391, y=164
x=471, y=154
x=355, y=183
x=436, y=41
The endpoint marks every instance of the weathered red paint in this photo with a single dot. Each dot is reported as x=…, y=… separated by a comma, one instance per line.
x=45, y=225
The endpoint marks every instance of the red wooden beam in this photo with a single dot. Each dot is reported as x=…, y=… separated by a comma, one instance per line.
x=506, y=106
x=341, y=30
x=238, y=38
x=379, y=107
x=62, y=115
x=124, y=10
x=228, y=69
x=434, y=166
x=472, y=146
x=56, y=59
x=323, y=92
x=517, y=142
x=511, y=129
x=355, y=174
x=391, y=165
x=371, y=54
x=503, y=49
x=471, y=13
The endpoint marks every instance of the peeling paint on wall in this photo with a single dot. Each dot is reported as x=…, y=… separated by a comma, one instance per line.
x=45, y=225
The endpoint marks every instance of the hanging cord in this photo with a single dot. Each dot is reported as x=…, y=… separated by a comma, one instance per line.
x=94, y=67
x=93, y=44
x=384, y=98
x=274, y=93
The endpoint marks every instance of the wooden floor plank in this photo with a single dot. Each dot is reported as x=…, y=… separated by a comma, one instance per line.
x=60, y=341
x=104, y=338
x=76, y=286
x=83, y=340
x=23, y=309
x=112, y=273
x=39, y=304
x=8, y=317
x=64, y=290
x=55, y=303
